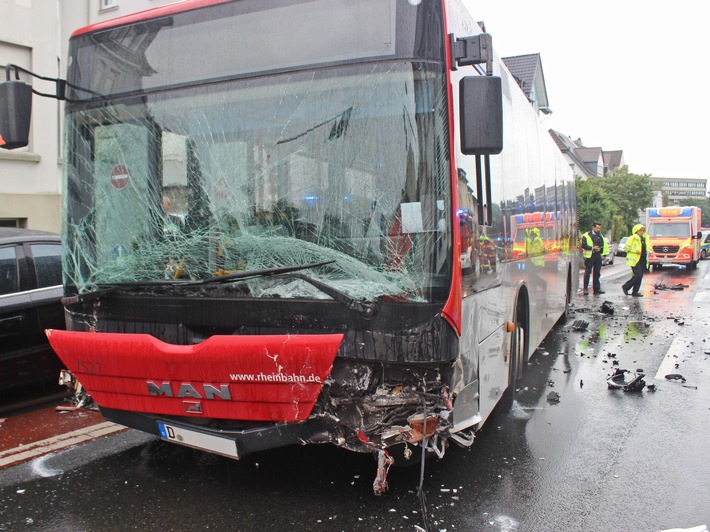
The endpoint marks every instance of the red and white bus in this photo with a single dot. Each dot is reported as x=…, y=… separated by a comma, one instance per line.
x=263, y=244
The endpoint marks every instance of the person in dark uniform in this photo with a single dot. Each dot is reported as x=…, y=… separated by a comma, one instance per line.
x=594, y=245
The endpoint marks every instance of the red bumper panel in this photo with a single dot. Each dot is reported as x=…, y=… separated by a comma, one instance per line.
x=264, y=378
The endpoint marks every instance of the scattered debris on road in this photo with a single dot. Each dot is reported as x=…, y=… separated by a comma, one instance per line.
x=580, y=325
x=675, y=377
x=80, y=397
x=661, y=286
x=633, y=382
x=608, y=308
x=553, y=397
x=63, y=409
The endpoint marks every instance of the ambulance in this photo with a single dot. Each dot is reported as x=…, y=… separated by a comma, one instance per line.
x=675, y=236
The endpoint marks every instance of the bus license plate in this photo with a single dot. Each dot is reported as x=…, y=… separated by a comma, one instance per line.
x=198, y=440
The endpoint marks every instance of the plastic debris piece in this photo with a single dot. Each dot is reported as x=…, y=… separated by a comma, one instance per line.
x=675, y=377
x=580, y=325
x=626, y=380
x=553, y=397
x=679, y=286
x=66, y=408
x=607, y=307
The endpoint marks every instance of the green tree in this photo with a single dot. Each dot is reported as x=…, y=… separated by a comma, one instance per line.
x=704, y=204
x=593, y=205
x=618, y=229
x=630, y=193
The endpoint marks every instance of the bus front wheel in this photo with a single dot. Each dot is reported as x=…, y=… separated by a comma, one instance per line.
x=518, y=350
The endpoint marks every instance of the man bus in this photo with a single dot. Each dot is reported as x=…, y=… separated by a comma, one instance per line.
x=313, y=290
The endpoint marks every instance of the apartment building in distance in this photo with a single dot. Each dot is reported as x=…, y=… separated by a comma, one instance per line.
x=677, y=189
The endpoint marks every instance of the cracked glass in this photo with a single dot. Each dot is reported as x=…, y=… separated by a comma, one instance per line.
x=348, y=164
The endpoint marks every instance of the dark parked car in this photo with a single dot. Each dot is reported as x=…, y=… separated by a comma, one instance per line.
x=609, y=258
x=621, y=247
x=30, y=302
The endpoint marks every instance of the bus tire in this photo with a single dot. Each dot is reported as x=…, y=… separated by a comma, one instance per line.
x=568, y=298
x=518, y=349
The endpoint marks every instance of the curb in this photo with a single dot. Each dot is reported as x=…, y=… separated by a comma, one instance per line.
x=33, y=450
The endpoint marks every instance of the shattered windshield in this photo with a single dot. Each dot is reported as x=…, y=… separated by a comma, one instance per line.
x=347, y=164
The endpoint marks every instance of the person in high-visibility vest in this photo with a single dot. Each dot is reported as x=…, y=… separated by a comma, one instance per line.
x=535, y=247
x=637, y=248
x=594, y=245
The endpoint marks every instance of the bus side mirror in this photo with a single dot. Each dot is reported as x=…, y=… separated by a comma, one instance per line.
x=15, y=112
x=699, y=236
x=481, y=110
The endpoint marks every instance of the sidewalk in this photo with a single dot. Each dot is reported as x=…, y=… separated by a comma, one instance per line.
x=28, y=435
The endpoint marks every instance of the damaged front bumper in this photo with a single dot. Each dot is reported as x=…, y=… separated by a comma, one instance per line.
x=261, y=392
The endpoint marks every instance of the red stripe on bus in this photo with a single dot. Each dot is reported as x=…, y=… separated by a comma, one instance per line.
x=148, y=14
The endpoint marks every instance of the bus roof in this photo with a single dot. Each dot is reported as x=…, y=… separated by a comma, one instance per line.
x=177, y=7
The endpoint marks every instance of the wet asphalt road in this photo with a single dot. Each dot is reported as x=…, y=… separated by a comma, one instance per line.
x=598, y=459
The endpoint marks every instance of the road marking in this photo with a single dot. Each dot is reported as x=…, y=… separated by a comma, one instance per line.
x=57, y=443
x=671, y=359
x=701, y=296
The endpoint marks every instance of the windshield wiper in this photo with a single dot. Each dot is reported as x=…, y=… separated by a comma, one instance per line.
x=106, y=289
x=87, y=296
x=367, y=308
x=266, y=272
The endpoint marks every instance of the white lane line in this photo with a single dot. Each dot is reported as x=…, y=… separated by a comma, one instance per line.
x=701, y=296
x=670, y=360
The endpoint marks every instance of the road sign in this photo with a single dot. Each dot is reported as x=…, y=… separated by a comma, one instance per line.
x=119, y=176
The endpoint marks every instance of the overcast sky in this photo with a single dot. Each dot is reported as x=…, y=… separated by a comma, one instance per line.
x=624, y=75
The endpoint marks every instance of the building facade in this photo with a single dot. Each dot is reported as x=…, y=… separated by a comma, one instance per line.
x=34, y=35
x=30, y=178
x=677, y=189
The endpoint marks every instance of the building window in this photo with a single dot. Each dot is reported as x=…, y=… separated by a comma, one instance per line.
x=107, y=4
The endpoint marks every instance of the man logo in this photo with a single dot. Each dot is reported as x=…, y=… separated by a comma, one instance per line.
x=186, y=389
x=192, y=407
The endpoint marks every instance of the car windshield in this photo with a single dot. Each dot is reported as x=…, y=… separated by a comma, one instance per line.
x=669, y=229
